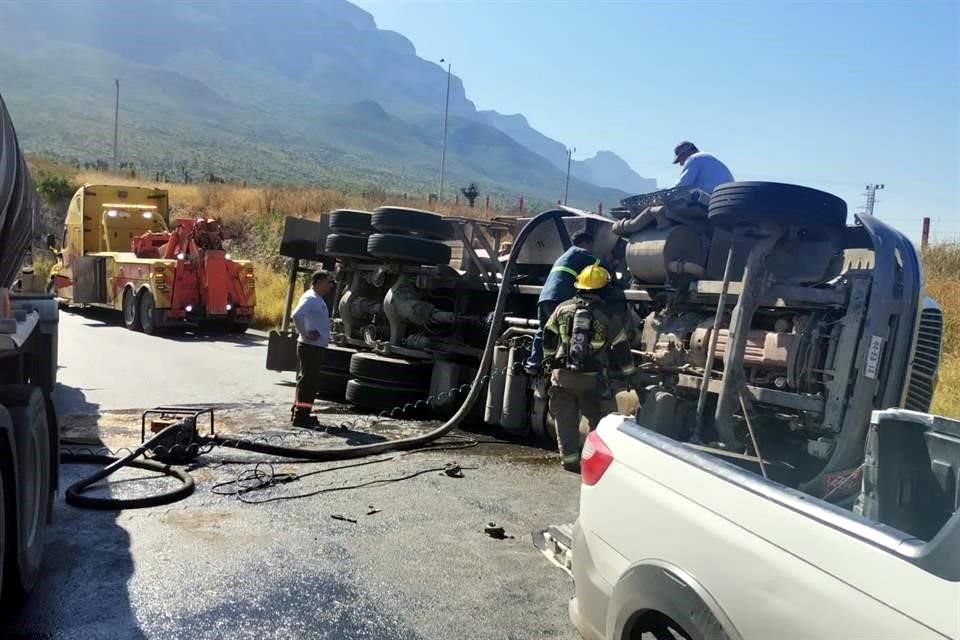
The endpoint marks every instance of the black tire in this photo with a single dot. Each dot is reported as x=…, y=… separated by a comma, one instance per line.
x=238, y=328
x=346, y=246
x=131, y=310
x=150, y=319
x=756, y=202
x=379, y=397
x=408, y=249
x=28, y=414
x=7, y=505
x=392, y=371
x=351, y=221
x=337, y=358
x=403, y=220
x=332, y=385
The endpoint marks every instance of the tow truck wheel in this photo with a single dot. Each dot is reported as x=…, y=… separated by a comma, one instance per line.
x=26, y=541
x=131, y=310
x=149, y=322
x=238, y=328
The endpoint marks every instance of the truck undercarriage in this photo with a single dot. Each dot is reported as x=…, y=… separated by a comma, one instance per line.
x=764, y=328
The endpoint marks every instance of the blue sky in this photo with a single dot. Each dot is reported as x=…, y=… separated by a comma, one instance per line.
x=832, y=95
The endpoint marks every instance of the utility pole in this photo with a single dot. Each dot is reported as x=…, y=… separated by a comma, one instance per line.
x=871, y=194
x=116, y=123
x=443, y=150
x=566, y=184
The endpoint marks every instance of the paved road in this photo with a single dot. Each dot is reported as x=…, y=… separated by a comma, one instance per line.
x=104, y=366
x=212, y=567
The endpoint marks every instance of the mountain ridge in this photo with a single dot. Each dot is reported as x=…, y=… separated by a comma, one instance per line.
x=322, y=83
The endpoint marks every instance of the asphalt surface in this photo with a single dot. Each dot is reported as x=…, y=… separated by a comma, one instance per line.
x=415, y=564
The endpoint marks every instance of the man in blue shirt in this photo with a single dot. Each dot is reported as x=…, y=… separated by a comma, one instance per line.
x=558, y=288
x=312, y=320
x=700, y=170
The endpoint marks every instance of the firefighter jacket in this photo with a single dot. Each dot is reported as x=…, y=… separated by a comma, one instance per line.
x=607, y=347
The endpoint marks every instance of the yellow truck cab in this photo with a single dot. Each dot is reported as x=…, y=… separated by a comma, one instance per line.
x=97, y=265
x=120, y=252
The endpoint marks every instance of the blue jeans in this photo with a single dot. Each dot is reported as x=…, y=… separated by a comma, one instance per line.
x=544, y=311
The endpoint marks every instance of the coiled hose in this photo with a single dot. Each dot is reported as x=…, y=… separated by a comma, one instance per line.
x=74, y=492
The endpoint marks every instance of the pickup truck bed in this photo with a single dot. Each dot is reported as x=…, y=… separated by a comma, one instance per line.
x=670, y=531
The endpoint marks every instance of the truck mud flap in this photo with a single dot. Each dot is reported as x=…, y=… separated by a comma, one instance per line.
x=555, y=543
x=304, y=239
x=282, y=351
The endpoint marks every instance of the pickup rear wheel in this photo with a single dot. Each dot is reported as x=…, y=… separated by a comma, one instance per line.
x=131, y=310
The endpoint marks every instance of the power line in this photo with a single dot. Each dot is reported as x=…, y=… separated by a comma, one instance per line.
x=871, y=194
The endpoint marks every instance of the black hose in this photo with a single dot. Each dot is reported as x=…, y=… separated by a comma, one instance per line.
x=414, y=442
x=74, y=494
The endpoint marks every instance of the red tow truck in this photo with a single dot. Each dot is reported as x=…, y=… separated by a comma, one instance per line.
x=119, y=252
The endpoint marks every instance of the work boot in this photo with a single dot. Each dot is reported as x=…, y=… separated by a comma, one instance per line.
x=571, y=462
x=306, y=421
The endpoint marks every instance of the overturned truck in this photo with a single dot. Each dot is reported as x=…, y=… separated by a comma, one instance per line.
x=764, y=328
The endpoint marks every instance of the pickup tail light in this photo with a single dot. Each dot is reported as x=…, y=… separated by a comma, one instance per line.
x=594, y=460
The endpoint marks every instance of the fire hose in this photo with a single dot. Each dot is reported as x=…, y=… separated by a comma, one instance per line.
x=74, y=493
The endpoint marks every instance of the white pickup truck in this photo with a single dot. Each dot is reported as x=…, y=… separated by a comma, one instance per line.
x=675, y=543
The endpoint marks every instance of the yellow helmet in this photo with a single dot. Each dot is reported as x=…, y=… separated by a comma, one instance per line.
x=593, y=277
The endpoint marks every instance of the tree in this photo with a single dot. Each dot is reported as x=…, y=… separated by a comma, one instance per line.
x=470, y=192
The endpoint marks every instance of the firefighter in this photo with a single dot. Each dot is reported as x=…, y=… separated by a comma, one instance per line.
x=312, y=320
x=557, y=288
x=588, y=355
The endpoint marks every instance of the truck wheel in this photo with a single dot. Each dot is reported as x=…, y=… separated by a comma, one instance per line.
x=149, y=317
x=392, y=371
x=350, y=221
x=379, y=397
x=337, y=358
x=7, y=516
x=755, y=202
x=238, y=328
x=403, y=220
x=131, y=310
x=28, y=415
x=331, y=385
x=346, y=246
x=408, y=249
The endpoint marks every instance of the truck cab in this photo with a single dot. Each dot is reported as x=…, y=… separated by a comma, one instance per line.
x=120, y=251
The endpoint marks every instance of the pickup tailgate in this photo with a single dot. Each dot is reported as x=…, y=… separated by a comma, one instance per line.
x=775, y=571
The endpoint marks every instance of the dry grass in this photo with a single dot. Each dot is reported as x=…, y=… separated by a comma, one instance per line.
x=941, y=264
x=271, y=296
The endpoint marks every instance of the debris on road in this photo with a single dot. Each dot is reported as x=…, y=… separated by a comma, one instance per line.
x=496, y=532
x=340, y=516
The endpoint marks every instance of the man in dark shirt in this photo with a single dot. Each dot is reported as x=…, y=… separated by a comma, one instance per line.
x=559, y=287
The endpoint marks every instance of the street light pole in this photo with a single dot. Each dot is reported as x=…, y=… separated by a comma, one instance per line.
x=116, y=123
x=566, y=184
x=443, y=150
